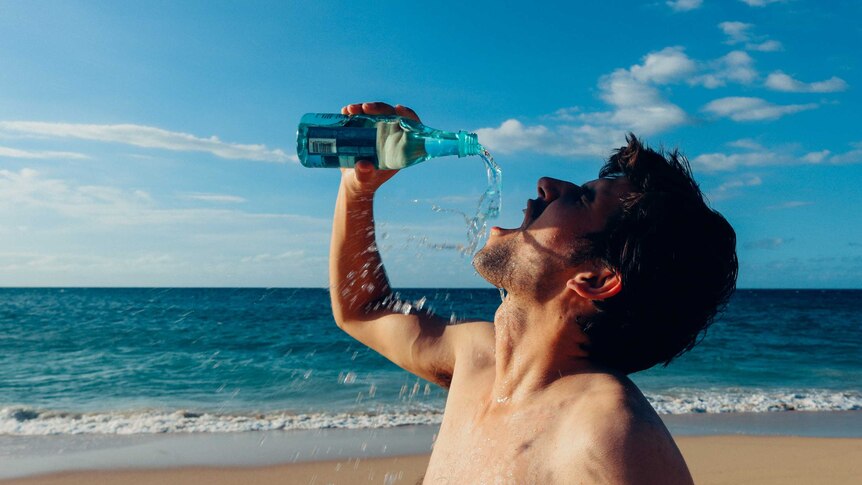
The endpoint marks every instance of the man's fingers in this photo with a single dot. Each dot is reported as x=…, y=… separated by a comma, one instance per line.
x=354, y=109
x=406, y=112
x=378, y=108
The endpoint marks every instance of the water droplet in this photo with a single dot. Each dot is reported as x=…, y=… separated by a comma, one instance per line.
x=406, y=308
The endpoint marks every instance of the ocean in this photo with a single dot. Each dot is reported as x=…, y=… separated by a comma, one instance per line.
x=154, y=360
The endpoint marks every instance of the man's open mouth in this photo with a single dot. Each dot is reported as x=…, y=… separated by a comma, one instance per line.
x=532, y=212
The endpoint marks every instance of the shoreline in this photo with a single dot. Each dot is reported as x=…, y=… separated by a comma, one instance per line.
x=23, y=458
x=761, y=460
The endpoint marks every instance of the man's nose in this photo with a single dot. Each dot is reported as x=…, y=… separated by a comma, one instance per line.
x=551, y=188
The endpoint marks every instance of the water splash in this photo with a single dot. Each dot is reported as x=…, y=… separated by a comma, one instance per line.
x=477, y=224
x=488, y=207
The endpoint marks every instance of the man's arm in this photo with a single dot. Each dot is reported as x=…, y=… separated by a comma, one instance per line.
x=362, y=301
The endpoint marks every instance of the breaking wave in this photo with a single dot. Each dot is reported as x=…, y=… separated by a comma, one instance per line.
x=27, y=421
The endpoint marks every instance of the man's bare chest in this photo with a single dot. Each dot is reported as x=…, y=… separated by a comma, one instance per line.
x=502, y=446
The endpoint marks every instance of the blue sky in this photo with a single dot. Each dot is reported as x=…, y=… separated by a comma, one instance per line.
x=152, y=143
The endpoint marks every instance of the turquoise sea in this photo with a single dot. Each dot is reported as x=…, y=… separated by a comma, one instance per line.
x=156, y=360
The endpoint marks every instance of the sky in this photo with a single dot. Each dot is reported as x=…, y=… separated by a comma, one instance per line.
x=153, y=143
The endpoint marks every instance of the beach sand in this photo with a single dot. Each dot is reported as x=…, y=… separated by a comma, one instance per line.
x=711, y=459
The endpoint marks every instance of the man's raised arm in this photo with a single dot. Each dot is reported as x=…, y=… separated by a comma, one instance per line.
x=419, y=342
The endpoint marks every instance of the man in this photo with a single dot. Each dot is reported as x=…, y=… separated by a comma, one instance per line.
x=603, y=280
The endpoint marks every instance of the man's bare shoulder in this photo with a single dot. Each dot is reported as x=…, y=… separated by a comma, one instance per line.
x=615, y=436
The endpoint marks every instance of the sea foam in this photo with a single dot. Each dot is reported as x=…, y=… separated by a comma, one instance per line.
x=22, y=421
x=752, y=401
x=26, y=421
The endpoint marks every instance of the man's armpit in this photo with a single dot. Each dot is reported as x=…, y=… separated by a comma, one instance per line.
x=441, y=377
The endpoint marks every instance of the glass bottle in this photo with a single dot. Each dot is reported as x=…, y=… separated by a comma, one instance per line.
x=390, y=142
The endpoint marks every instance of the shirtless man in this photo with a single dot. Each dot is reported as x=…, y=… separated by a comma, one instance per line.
x=603, y=280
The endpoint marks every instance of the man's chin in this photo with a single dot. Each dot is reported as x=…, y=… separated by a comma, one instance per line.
x=492, y=262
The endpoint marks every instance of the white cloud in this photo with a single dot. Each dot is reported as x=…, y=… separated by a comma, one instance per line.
x=851, y=156
x=722, y=161
x=667, y=65
x=760, y=3
x=752, y=109
x=270, y=258
x=740, y=33
x=572, y=113
x=791, y=204
x=512, y=136
x=147, y=137
x=735, y=66
x=780, y=81
x=767, y=243
x=563, y=140
x=31, y=263
x=747, y=181
x=746, y=143
x=731, y=188
x=110, y=236
x=684, y=5
x=636, y=105
x=765, y=46
x=32, y=155
x=816, y=157
x=29, y=189
x=215, y=198
x=756, y=155
x=736, y=32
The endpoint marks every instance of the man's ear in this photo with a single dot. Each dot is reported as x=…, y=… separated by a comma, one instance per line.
x=595, y=284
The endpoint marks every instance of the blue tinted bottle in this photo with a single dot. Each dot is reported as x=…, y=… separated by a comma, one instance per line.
x=390, y=142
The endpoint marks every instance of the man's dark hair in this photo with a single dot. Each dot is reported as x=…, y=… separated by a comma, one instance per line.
x=676, y=258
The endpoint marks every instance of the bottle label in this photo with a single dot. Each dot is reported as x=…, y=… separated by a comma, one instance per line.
x=342, y=141
x=322, y=146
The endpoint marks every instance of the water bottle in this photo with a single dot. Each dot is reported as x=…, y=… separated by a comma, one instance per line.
x=390, y=142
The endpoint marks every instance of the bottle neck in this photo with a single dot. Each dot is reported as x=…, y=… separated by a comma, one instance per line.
x=462, y=144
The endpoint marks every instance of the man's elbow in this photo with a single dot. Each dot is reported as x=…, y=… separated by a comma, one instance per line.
x=338, y=314
x=347, y=313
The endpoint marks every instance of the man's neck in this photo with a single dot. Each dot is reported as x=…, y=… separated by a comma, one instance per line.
x=536, y=345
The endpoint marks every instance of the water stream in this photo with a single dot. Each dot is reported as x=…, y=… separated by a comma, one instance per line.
x=487, y=208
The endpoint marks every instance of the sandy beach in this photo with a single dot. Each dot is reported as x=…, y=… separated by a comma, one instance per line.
x=712, y=460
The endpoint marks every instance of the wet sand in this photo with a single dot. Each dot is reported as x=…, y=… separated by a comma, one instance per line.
x=711, y=459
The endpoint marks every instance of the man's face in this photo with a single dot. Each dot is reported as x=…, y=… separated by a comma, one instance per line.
x=537, y=257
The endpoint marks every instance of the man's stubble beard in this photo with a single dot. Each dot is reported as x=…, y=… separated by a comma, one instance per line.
x=508, y=264
x=495, y=263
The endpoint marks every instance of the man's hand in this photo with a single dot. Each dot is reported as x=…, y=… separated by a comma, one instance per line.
x=364, y=180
